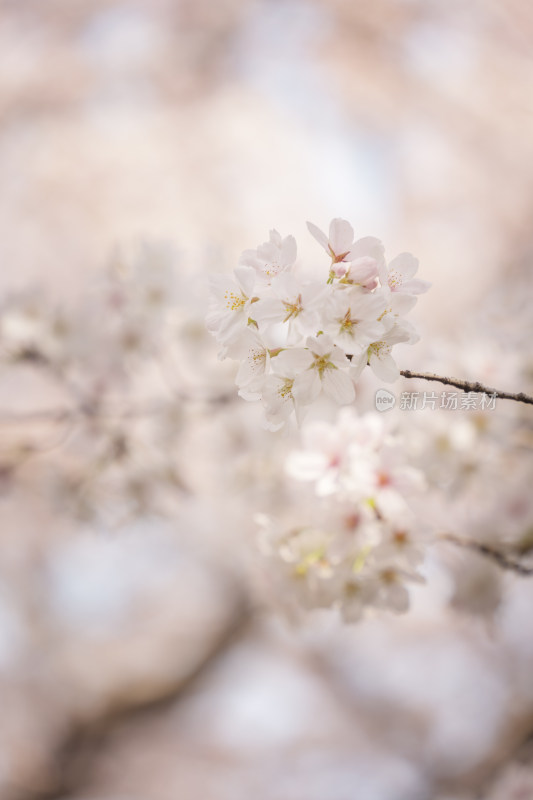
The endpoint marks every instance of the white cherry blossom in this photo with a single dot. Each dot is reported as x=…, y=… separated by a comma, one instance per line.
x=230, y=307
x=342, y=249
x=352, y=318
x=320, y=365
x=278, y=397
x=378, y=354
x=293, y=303
x=271, y=258
x=398, y=275
x=396, y=306
x=254, y=356
x=339, y=242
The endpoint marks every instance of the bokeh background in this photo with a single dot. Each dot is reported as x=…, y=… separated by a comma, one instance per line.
x=133, y=662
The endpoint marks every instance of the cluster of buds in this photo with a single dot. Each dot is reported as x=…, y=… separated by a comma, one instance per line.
x=358, y=544
x=297, y=338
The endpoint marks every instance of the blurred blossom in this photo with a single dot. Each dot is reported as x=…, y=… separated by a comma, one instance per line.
x=96, y=579
x=515, y=783
x=194, y=606
x=12, y=632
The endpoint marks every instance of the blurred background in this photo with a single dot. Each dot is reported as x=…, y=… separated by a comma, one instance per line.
x=134, y=660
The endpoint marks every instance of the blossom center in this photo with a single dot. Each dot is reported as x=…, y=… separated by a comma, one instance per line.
x=347, y=323
x=389, y=575
x=293, y=309
x=271, y=270
x=395, y=279
x=285, y=390
x=233, y=300
x=322, y=363
x=400, y=538
x=336, y=258
x=257, y=358
x=380, y=349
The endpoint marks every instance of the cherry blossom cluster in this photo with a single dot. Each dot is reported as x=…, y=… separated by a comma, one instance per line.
x=295, y=338
x=359, y=543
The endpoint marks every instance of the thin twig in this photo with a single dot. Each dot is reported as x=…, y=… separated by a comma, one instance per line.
x=502, y=560
x=468, y=386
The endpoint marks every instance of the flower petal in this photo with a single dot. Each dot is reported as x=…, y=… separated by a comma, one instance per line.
x=340, y=236
x=246, y=277
x=367, y=246
x=406, y=264
x=317, y=234
x=384, y=367
x=415, y=286
x=363, y=269
x=288, y=250
x=338, y=385
x=306, y=386
x=290, y=362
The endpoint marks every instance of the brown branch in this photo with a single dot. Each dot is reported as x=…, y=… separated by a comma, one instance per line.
x=492, y=553
x=468, y=386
